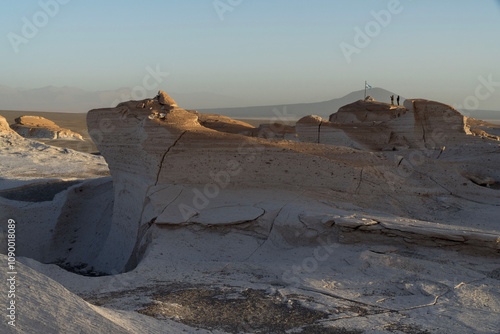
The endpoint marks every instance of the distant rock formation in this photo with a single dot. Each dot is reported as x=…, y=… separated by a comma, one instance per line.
x=177, y=168
x=372, y=125
x=366, y=111
x=36, y=127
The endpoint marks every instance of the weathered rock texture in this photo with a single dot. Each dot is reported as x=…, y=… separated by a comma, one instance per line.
x=4, y=126
x=37, y=127
x=224, y=124
x=181, y=169
x=165, y=100
x=372, y=125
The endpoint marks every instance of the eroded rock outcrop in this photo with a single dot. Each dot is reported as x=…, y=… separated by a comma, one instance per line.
x=174, y=168
x=36, y=127
x=165, y=100
x=372, y=125
x=366, y=111
x=4, y=125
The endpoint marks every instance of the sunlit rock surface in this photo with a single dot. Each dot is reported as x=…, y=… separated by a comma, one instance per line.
x=36, y=127
x=372, y=125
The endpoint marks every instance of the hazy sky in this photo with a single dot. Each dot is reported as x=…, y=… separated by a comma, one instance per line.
x=260, y=51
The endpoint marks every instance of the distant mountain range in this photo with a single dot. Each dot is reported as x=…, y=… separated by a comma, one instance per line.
x=70, y=99
x=326, y=108
x=66, y=99
x=294, y=111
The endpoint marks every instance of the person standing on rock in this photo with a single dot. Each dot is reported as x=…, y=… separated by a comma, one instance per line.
x=392, y=100
x=398, y=100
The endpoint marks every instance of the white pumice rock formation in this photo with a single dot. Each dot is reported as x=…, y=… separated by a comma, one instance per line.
x=181, y=170
x=372, y=125
x=25, y=159
x=210, y=225
x=36, y=127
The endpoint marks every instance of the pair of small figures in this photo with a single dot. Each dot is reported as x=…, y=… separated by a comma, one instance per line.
x=392, y=100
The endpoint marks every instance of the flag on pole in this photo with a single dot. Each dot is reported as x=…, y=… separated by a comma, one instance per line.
x=367, y=86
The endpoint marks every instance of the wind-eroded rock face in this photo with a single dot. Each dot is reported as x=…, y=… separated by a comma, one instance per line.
x=178, y=168
x=36, y=127
x=373, y=125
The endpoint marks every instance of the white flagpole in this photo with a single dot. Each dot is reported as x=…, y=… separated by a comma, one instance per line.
x=365, y=89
